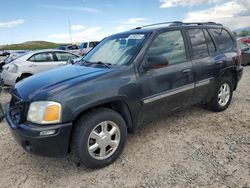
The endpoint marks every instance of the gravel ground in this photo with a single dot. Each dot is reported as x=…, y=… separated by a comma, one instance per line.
x=192, y=148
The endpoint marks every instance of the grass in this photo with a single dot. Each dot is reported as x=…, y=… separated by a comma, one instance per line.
x=31, y=45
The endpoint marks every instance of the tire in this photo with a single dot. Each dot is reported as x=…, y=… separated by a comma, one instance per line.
x=217, y=104
x=83, y=141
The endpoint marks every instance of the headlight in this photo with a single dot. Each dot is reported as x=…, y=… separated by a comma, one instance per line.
x=44, y=112
x=12, y=68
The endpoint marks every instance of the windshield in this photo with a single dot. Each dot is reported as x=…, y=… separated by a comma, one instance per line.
x=117, y=49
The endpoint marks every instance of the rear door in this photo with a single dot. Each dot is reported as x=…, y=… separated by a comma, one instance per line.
x=171, y=86
x=40, y=62
x=204, y=62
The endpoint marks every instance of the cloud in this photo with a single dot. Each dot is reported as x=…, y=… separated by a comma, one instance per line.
x=79, y=36
x=178, y=3
x=130, y=24
x=120, y=28
x=135, y=21
x=77, y=27
x=72, y=8
x=235, y=14
x=11, y=24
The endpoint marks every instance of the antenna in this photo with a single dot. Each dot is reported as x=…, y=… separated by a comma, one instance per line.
x=70, y=32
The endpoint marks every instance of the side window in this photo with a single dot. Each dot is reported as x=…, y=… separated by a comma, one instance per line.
x=223, y=39
x=65, y=56
x=169, y=44
x=92, y=44
x=210, y=43
x=198, y=43
x=42, y=57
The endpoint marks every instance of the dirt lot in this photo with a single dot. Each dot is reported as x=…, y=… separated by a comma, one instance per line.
x=192, y=148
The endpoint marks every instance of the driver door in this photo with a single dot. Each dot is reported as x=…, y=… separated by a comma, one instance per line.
x=169, y=87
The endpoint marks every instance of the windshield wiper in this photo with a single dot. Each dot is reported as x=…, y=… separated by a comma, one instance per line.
x=107, y=65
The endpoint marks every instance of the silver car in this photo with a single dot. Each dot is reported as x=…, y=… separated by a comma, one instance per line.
x=34, y=62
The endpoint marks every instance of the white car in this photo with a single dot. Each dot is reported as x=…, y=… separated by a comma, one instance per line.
x=85, y=47
x=34, y=62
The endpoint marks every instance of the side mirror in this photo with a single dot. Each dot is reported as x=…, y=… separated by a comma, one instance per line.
x=245, y=49
x=155, y=62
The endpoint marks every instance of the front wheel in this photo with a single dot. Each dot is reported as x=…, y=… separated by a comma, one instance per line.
x=99, y=137
x=223, y=95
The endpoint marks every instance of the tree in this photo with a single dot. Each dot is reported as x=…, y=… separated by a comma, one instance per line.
x=244, y=33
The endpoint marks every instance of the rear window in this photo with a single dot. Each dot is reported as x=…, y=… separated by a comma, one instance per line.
x=223, y=39
x=210, y=43
x=198, y=42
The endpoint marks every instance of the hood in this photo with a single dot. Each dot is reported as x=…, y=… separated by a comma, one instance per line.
x=42, y=85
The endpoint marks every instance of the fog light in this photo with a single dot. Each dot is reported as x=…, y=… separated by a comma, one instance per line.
x=48, y=132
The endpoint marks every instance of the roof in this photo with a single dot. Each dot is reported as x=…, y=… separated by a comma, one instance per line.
x=174, y=24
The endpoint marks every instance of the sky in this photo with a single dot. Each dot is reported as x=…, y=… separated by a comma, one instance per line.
x=30, y=20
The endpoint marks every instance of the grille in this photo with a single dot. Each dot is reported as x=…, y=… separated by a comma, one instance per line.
x=17, y=110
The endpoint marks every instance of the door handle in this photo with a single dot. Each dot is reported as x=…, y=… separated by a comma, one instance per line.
x=32, y=65
x=186, y=71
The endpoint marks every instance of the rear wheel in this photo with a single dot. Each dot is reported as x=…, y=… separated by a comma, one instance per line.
x=223, y=95
x=99, y=138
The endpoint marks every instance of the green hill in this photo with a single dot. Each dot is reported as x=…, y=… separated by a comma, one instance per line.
x=30, y=45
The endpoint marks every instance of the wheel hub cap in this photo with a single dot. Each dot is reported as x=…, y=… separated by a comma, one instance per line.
x=103, y=140
x=224, y=94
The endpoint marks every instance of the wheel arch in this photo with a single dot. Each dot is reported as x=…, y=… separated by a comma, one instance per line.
x=26, y=74
x=117, y=105
x=230, y=73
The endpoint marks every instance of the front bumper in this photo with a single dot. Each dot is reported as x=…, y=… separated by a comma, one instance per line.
x=28, y=136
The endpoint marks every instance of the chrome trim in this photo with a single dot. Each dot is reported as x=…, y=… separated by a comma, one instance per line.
x=203, y=82
x=168, y=93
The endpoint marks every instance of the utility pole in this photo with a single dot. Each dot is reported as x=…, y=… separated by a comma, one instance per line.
x=70, y=32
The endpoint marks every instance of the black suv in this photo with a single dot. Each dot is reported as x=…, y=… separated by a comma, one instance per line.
x=87, y=109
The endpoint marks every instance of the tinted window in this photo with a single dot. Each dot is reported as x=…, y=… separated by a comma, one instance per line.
x=210, y=43
x=93, y=44
x=198, y=42
x=65, y=56
x=73, y=47
x=42, y=57
x=170, y=45
x=84, y=45
x=223, y=39
x=62, y=48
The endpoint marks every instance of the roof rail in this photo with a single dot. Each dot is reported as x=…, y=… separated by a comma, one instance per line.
x=162, y=23
x=174, y=23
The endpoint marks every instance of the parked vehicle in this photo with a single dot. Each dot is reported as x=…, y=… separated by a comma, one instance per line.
x=2, y=114
x=245, y=50
x=245, y=39
x=3, y=56
x=14, y=54
x=129, y=78
x=33, y=63
x=85, y=47
x=71, y=48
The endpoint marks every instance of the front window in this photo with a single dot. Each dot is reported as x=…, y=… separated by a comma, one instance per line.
x=65, y=56
x=116, y=49
x=169, y=44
